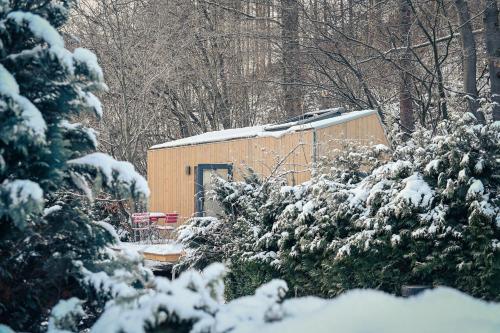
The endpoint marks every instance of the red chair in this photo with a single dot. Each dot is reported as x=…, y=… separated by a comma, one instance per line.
x=172, y=218
x=166, y=228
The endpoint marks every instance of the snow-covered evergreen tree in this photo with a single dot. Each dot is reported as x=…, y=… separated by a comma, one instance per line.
x=245, y=239
x=45, y=159
x=232, y=238
x=428, y=217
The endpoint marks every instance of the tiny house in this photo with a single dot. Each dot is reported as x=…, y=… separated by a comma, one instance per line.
x=180, y=172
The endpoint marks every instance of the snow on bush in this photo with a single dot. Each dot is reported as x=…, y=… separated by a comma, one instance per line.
x=186, y=304
x=63, y=315
x=193, y=303
x=428, y=215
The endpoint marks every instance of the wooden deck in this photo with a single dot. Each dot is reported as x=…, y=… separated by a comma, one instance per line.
x=167, y=258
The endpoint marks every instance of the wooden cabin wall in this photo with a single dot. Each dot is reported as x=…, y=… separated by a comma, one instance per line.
x=173, y=190
x=365, y=131
x=289, y=155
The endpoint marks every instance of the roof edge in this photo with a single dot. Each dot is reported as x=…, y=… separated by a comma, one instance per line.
x=259, y=131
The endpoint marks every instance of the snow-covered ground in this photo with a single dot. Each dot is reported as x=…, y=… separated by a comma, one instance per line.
x=166, y=248
x=442, y=310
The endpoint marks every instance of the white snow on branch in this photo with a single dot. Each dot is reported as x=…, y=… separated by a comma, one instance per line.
x=8, y=84
x=22, y=191
x=90, y=132
x=43, y=30
x=432, y=165
x=39, y=26
x=416, y=191
x=90, y=60
x=64, y=311
x=110, y=229
x=379, y=148
x=49, y=210
x=109, y=167
x=190, y=298
x=33, y=119
x=102, y=282
x=475, y=189
x=93, y=102
x=393, y=169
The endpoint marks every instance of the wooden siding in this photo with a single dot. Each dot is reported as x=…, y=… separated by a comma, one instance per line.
x=291, y=155
x=365, y=131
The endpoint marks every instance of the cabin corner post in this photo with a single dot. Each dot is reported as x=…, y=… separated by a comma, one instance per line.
x=314, y=146
x=149, y=175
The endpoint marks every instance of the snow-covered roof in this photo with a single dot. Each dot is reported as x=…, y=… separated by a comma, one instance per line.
x=262, y=130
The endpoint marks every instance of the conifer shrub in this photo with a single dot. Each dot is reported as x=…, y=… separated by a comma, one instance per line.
x=427, y=213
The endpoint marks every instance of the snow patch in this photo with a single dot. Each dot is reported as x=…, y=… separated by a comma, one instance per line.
x=90, y=60
x=22, y=190
x=33, y=119
x=416, y=191
x=444, y=310
x=39, y=26
x=124, y=171
x=167, y=248
x=52, y=209
x=432, y=166
x=475, y=190
x=109, y=228
x=90, y=132
x=66, y=307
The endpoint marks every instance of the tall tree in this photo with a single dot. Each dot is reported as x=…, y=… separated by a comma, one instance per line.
x=492, y=39
x=469, y=56
x=48, y=160
x=405, y=98
x=292, y=90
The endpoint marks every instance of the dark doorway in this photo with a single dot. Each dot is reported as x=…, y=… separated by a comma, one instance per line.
x=206, y=206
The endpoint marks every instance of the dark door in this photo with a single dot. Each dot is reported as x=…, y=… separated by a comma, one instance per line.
x=204, y=203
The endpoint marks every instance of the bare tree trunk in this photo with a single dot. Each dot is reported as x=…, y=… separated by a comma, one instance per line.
x=405, y=100
x=492, y=39
x=351, y=17
x=293, y=95
x=342, y=15
x=470, y=58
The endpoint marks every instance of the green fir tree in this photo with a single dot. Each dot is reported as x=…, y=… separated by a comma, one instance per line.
x=49, y=170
